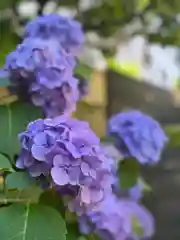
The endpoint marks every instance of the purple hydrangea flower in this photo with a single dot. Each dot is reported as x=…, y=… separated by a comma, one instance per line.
x=42, y=68
x=138, y=135
x=68, y=152
x=55, y=102
x=113, y=219
x=42, y=61
x=68, y=32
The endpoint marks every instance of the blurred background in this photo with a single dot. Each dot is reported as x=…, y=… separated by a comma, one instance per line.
x=131, y=59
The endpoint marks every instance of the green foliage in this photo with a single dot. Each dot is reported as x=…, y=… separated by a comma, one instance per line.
x=107, y=139
x=145, y=186
x=30, y=194
x=173, y=132
x=84, y=71
x=19, y=180
x=141, y=5
x=20, y=187
x=31, y=221
x=51, y=198
x=72, y=231
x=136, y=227
x=128, y=173
x=14, y=119
x=8, y=38
x=5, y=164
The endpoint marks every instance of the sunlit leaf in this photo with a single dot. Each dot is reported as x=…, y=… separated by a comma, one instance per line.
x=141, y=5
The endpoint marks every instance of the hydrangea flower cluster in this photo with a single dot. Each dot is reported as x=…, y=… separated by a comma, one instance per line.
x=67, y=152
x=46, y=70
x=137, y=135
x=64, y=153
x=113, y=219
x=42, y=65
x=67, y=31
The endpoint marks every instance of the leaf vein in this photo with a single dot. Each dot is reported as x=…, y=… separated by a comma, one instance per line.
x=25, y=222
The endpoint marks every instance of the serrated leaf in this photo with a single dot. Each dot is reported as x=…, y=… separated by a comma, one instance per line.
x=128, y=173
x=19, y=180
x=5, y=164
x=136, y=227
x=14, y=119
x=31, y=221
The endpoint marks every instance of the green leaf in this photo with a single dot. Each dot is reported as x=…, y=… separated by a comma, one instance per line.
x=128, y=173
x=83, y=70
x=72, y=231
x=136, y=227
x=31, y=222
x=70, y=217
x=5, y=165
x=107, y=139
x=14, y=119
x=173, y=132
x=19, y=180
x=30, y=194
x=145, y=186
x=141, y=5
x=51, y=198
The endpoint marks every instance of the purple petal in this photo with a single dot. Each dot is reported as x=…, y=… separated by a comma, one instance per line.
x=85, y=195
x=60, y=176
x=20, y=163
x=85, y=169
x=28, y=161
x=40, y=139
x=74, y=174
x=38, y=152
x=58, y=160
x=96, y=195
x=73, y=150
x=38, y=168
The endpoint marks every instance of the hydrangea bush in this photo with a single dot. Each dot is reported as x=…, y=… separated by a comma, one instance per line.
x=61, y=181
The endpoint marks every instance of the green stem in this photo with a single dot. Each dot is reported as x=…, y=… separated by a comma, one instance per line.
x=13, y=200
